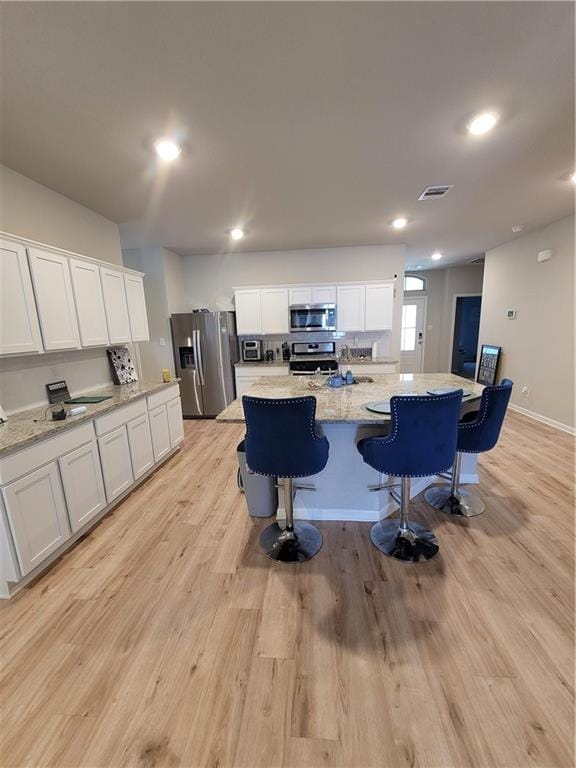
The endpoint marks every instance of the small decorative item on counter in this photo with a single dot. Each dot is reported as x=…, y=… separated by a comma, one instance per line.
x=349, y=377
x=166, y=377
x=121, y=366
x=335, y=381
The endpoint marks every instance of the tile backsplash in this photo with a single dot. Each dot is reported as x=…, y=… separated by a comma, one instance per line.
x=359, y=339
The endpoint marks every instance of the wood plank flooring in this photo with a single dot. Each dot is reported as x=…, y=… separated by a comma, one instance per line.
x=166, y=639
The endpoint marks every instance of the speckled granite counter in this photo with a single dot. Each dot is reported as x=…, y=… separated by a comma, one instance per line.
x=21, y=430
x=346, y=404
x=354, y=361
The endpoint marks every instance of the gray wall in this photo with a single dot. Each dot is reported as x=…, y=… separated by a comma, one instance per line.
x=538, y=346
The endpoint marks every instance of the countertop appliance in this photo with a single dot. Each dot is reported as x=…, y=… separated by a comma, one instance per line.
x=307, y=357
x=205, y=350
x=312, y=317
x=251, y=350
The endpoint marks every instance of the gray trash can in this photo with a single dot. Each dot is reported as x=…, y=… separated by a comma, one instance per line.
x=260, y=491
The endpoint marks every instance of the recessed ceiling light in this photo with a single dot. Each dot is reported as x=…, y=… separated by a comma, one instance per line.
x=400, y=222
x=518, y=228
x=482, y=123
x=236, y=233
x=167, y=150
x=573, y=178
x=436, y=256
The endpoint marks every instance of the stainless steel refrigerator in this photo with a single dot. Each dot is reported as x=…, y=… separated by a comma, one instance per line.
x=205, y=350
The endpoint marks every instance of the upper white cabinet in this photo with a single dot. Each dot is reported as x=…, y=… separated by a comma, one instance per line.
x=379, y=306
x=19, y=329
x=89, y=303
x=136, y=307
x=316, y=294
x=300, y=295
x=350, y=307
x=274, y=303
x=54, y=299
x=248, y=311
x=83, y=486
x=116, y=305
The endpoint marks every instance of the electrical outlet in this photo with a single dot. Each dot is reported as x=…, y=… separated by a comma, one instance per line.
x=162, y=341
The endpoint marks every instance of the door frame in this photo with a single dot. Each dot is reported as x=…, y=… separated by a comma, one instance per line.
x=406, y=298
x=455, y=298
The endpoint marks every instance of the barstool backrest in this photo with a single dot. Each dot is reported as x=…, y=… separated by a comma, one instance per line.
x=422, y=437
x=281, y=440
x=482, y=434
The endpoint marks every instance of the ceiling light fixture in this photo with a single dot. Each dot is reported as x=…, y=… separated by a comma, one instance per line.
x=167, y=150
x=236, y=233
x=573, y=178
x=400, y=222
x=436, y=256
x=482, y=123
x=518, y=228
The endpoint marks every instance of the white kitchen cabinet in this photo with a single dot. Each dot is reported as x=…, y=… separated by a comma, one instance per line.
x=89, y=303
x=274, y=303
x=247, y=375
x=54, y=299
x=350, y=307
x=324, y=294
x=379, y=307
x=116, y=305
x=19, y=328
x=134, y=285
x=37, y=516
x=248, y=307
x=300, y=295
x=140, y=442
x=83, y=484
x=175, y=421
x=160, y=432
x=367, y=369
x=116, y=462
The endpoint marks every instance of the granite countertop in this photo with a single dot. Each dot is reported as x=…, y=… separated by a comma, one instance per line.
x=368, y=361
x=20, y=430
x=346, y=404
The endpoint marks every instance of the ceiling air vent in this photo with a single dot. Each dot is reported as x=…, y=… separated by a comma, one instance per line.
x=437, y=192
x=477, y=260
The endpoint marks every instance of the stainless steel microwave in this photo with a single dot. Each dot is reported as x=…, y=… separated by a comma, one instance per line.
x=312, y=317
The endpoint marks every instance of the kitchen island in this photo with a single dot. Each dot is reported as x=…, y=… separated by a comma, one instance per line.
x=342, y=488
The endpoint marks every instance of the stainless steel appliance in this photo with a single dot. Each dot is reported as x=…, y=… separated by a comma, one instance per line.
x=312, y=317
x=205, y=350
x=251, y=350
x=308, y=357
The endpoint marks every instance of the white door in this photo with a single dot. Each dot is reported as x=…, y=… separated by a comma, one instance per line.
x=19, y=328
x=89, y=303
x=379, y=307
x=160, y=433
x=350, y=305
x=175, y=421
x=248, y=311
x=115, y=305
x=140, y=443
x=54, y=299
x=137, y=307
x=412, y=335
x=301, y=295
x=83, y=484
x=37, y=515
x=274, y=310
x=116, y=463
x=324, y=294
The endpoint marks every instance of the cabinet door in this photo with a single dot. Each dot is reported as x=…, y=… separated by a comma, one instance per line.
x=379, y=307
x=300, y=296
x=140, y=443
x=136, y=307
x=248, y=312
x=83, y=485
x=89, y=303
x=54, y=299
x=274, y=310
x=324, y=294
x=115, y=305
x=175, y=421
x=160, y=433
x=350, y=307
x=116, y=464
x=19, y=329
x=37, y=515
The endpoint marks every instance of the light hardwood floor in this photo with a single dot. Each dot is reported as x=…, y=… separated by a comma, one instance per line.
x=166, y=639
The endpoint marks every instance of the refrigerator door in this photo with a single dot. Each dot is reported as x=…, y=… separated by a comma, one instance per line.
x=186, y=341
x=217, y=340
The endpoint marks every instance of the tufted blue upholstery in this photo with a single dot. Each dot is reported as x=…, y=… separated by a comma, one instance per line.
x=482, y=433
x=280, y=437
x=422, y=437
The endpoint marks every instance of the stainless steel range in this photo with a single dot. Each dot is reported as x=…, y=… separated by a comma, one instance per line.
x=308, y=357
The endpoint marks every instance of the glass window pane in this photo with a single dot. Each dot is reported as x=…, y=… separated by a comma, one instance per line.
x=408, y=342
x=413, y=283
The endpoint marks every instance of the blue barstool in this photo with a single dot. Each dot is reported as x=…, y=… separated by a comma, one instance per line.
x=421, y=442
x=477, y=432
x=281, y=441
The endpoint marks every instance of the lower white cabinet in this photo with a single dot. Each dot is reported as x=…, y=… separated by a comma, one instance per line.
x=140, y=443
x=247, y=375
x=83, y=484
x=37, y=516
x=116, y=462
x=175, y=422
x=160, y=432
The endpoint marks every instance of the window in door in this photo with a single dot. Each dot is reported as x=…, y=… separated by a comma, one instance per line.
x=408, y=339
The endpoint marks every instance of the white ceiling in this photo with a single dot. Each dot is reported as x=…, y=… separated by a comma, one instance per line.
x=313, y=124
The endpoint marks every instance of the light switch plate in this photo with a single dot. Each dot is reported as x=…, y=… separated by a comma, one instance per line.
x=511, y=314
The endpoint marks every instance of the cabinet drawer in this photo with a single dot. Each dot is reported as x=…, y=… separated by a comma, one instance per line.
x=120, y=416
x=163, y=396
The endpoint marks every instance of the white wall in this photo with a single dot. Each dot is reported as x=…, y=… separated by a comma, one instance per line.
x=538, y=346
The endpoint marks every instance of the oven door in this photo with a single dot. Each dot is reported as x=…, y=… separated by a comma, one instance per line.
x=312, y=317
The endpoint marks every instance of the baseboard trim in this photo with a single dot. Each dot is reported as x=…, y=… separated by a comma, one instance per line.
x=543, y=419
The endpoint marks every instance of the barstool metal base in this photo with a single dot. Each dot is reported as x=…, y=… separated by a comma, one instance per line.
x=460, y=503
x=291, y=547
x=415, y=546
